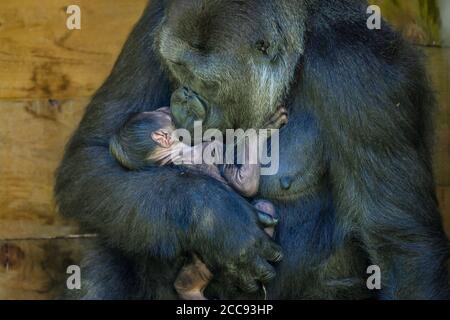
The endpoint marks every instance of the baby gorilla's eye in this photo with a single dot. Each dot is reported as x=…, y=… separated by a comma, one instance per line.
x=263, y=46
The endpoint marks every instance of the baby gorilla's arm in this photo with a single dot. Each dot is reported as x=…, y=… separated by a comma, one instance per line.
x=244, y=179
x=277, y=120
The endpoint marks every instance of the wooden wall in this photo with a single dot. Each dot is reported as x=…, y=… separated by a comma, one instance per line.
x=47, y=74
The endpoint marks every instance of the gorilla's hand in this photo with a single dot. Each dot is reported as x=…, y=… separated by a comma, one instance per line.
x=227, y=234
x=164, y=214
x=187, y=108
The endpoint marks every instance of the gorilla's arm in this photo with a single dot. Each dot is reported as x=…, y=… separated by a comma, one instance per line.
x=371, y=96
x=160, y=211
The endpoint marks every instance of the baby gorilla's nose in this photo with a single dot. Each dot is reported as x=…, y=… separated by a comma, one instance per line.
x=286, y=182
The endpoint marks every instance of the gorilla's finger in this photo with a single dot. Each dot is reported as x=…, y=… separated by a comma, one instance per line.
x=249, y=284
x=265, y=272
x=266, y=220
x=271, y=251
x=223, y=286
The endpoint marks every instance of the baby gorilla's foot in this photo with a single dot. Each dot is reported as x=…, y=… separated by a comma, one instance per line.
x=191, y=295
x=192, y=279
x=187, y=108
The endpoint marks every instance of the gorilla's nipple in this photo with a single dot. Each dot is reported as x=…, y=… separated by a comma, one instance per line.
x=286, y=182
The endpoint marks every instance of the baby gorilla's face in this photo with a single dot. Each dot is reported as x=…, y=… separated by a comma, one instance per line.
x=239, y=56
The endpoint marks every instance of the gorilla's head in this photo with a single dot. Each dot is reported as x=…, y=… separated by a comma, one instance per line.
x=239, y=55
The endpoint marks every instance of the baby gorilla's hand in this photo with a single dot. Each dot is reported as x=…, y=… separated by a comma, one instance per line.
x=187, y=108
x=277, y=120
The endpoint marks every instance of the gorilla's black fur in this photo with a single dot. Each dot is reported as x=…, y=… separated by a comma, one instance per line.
x=355, y=185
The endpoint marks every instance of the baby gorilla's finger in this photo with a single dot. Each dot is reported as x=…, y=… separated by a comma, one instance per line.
x=280, y=122
x=280, y=111
x=266, y=220
x=276, y=123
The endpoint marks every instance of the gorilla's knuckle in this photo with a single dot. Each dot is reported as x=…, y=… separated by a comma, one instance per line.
x=268, y=275
x=250, y=287
x=275, y=253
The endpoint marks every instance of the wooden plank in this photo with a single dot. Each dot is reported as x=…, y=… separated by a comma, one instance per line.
x=41, y=58
x=439, y=70
x=443, y=194
x=32, y=139
x=37, y=269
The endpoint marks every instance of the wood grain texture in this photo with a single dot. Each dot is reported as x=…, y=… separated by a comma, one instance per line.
x=438, y=64
x=41, y=58
x=32, y=139
x=443, y=194
x=37, y=269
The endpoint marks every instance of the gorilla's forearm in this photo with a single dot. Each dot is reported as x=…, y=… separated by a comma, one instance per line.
x=163, y=212
x=91, y=186
x=136, y=211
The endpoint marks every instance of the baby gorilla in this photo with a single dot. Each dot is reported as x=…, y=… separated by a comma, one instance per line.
x=147, y=139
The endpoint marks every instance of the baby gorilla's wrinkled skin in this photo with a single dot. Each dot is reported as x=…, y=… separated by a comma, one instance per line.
x=147, y=139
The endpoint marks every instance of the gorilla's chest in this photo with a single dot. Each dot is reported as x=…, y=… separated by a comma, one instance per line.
x=300, y=159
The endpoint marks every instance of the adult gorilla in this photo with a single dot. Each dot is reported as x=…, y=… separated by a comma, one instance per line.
x=355, y=185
